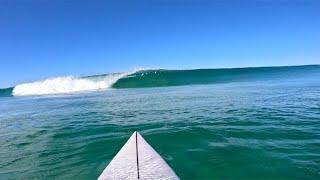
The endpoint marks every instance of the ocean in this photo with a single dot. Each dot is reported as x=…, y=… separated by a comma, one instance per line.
x=237, y=123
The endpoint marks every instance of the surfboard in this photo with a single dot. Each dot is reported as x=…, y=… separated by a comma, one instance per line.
x=137, y=160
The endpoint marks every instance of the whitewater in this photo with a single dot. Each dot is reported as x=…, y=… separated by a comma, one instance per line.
x=67, y=84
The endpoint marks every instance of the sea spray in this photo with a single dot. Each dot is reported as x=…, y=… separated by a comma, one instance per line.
x=67, y=84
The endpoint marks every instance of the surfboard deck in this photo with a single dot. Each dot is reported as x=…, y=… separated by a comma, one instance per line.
x=137, y=160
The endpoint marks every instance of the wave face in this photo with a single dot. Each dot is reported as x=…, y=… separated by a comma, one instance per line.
x=160, y=78
x=6, y=92
x=68, y=84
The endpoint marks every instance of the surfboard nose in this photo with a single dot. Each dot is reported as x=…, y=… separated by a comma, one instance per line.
x=137, y=160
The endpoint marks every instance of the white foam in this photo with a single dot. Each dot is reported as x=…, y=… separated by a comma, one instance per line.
x=66, y=84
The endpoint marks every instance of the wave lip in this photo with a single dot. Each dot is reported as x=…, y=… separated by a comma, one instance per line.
x=67, y=84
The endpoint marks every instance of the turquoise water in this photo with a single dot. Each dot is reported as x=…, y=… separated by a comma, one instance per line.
x=241, y=126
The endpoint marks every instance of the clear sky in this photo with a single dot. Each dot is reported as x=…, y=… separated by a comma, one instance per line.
x=45, y=38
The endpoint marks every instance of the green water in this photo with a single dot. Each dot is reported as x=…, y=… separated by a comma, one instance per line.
x=266, y=128
x=160, y=78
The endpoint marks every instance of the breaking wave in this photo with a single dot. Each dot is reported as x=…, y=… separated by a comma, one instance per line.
x=161, y=77
x=67, y=84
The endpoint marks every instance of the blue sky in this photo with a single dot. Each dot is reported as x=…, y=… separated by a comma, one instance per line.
x=44, y=38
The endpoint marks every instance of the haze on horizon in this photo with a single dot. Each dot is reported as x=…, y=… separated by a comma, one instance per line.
x=42, y=39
